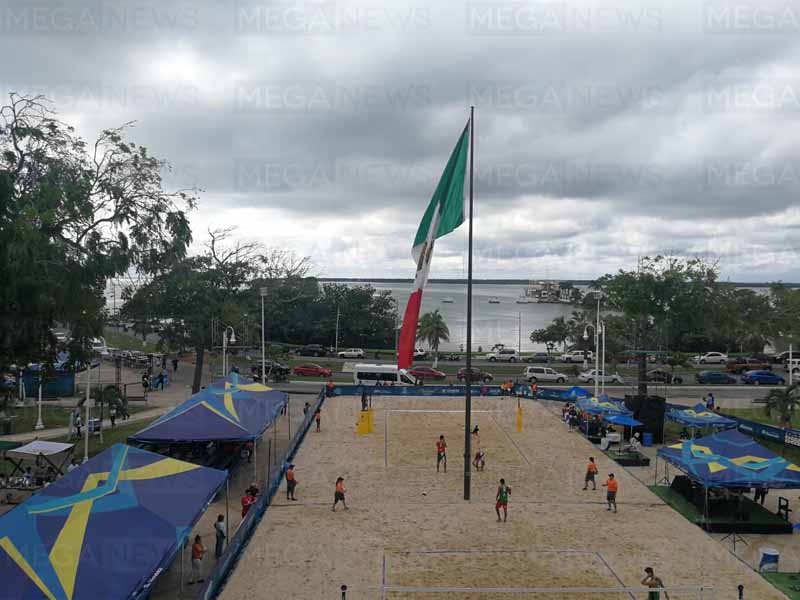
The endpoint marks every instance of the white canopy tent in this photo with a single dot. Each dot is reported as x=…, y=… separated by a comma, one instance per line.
x=55, y=454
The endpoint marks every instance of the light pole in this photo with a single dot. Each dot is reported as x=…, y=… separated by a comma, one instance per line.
x=225, y=349
x=519, y=333
x=596, y=353
x=263, y=344
x=336, y=341
x=39, y=424
x=603, y=333
x=86, y=421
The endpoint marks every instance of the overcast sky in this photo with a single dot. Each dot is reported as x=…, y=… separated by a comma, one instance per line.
x=604, y=130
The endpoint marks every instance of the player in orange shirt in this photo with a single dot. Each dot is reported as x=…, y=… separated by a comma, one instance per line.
x=339, y=494
x=613, y=486
x=291, y=483
x=441, y=453
x=591, y=473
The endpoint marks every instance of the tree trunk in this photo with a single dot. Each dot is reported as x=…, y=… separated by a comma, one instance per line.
x=198, y=368
x=435, y=358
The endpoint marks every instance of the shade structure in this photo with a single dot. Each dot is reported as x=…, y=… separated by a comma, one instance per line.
x=576, y=392
x=699, y=416
x=603, y=406
x=228, y=410
x=40, y=448
x=107, y=529
x=624, y=420
x=731, y=459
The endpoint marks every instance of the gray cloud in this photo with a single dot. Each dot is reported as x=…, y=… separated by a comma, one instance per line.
x=603, y=130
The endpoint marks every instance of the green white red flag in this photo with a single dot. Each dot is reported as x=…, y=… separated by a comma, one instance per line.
x=443, y=215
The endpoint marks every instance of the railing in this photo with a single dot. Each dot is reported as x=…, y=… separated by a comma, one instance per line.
x=239, y=540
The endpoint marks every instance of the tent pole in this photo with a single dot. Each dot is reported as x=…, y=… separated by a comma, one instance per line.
x=228, y=508
x=255, y=461
x=275, y=440
x=269, y=463
x=655, y=474
x=183, y=552
x=289, y=415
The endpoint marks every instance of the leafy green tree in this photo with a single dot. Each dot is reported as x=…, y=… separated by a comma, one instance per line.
x=73, y=215
x=433, y=330
x=558, y=332
x=783, y=402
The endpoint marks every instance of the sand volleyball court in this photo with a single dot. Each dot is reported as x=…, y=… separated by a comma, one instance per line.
x=410, y=535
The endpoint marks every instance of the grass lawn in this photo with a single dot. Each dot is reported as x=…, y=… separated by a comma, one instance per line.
x=788, y=583
x=117, y=435
x=52, y=416
x=126, y=341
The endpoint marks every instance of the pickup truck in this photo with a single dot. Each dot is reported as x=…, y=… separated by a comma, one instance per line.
x=737, y=366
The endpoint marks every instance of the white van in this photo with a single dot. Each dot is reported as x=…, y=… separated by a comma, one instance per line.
x=364, y=374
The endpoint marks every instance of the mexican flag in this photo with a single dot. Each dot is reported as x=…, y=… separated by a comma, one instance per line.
x=443, y=215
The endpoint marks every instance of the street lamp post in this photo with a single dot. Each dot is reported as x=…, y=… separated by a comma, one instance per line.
x=336, y=341
x=86, y=421
x=263, y=338
x=225, y=348
x=39, y=423
x=603, y=333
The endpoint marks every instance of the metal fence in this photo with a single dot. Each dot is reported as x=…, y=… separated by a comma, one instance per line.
x=277, y=459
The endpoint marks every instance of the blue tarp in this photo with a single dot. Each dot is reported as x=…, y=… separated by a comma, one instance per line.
x=106, y=529
x=603, y=406
x=731, y=459
x=228, y=410
x=623, y=420
x=699, y=416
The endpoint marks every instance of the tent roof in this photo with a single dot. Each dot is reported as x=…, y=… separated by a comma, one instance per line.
x=699, y=416
x=731, y=459
x=623, y=420
x=40, y=447
x=75, y=538
x=228, y=410
x=577, y=392
x=603, y=406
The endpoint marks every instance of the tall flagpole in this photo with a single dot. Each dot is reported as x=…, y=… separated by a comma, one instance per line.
x=468, y=378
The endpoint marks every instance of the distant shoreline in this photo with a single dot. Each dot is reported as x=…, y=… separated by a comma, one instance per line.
x=761, y=284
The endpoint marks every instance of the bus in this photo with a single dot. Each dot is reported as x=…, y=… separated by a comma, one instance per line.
x=365, y=374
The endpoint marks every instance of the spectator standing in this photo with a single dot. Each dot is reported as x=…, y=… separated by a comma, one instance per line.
x=174, y=365
x=198, y=550
x=291, y=483
x=219, y=532
x=317, y=418
x=247, y=501
x=112, y=415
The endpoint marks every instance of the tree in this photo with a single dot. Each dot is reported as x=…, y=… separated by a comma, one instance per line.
x=73, y=215
x=558, y=332
x=433, y=330
x=783, y=401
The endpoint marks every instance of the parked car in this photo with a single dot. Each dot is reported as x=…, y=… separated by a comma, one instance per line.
x=793, y=366
x=420, y=353
x=537, y=357
x=311, y=350
x=503, y=355
x=351, y=353
x=424, y=373
x=274, y=370
x=762, y=378
x=311, y=370
x=663, y=376
x=592, y=375
x=737, y=366
x=576, y=356
x=475, y=375
x=782, y=357
x=535, y=374
x=710, y=358
x=717, y=377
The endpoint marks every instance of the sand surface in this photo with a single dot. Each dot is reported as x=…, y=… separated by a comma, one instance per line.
x=409, y=526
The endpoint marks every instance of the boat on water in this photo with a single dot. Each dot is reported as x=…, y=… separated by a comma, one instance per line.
x=549, y=291
x=447, y=300
x=494, y=300
x=523, y=299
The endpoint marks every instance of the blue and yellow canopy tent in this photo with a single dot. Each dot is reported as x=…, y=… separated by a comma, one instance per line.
x=733, y=460
x=699, y=416
x=227, y=410
x=603, y=405
x=106, y=530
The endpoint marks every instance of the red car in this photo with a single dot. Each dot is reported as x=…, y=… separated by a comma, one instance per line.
x=427, y=373
x=311, y=370
x=476, y=375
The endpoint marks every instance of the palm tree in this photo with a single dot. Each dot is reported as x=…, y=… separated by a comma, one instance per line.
x=783, y=401
x=433, y=330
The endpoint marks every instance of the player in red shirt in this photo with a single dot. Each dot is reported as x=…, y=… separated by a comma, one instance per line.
x=441, y=453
